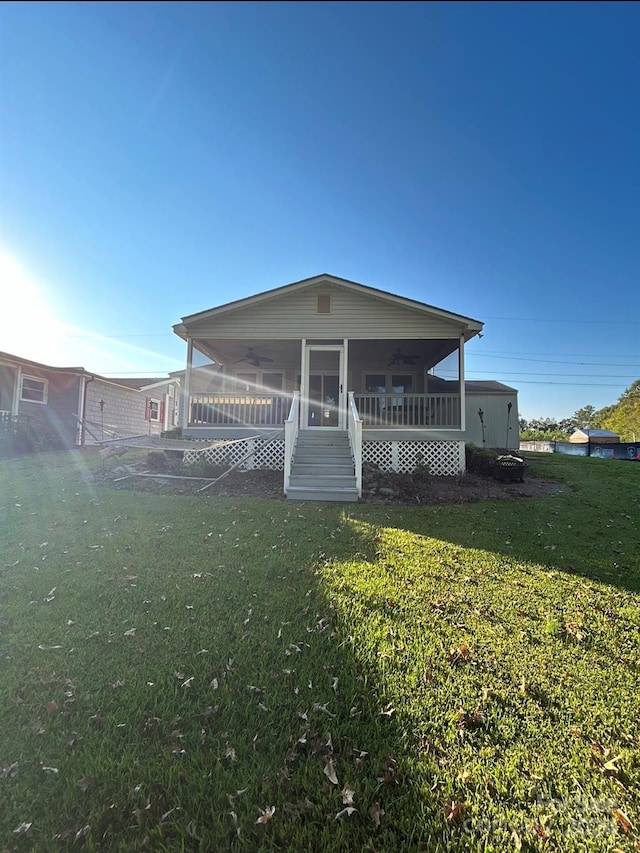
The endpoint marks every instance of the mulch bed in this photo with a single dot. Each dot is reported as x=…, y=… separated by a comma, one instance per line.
x=406, y=488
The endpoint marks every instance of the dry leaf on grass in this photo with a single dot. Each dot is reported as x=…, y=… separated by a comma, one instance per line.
x=347, y=812
x=623, y=821
x=376, y=813
x=330, y=770
x=266, y=814
x=347, y=794
x=453, y=810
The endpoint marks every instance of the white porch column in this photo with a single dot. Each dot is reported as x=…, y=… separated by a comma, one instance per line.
x=185, y=388
x=461, y=382
x=304, y=384
x=17, y=385
x=344, y=379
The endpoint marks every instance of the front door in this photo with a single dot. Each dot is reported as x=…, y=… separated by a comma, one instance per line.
x=323, y=388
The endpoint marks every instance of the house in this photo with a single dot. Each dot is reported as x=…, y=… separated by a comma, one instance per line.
x=595, y=436
x=320, y=376
x=72, y=407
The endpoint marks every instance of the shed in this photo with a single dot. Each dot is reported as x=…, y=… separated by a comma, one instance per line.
x=595, y=436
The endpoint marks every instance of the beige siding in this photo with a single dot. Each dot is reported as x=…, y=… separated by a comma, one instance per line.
x=494, y=407
x=352, y=316
x=123, y=415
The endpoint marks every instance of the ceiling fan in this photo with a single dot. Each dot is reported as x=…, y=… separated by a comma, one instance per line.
x=252, y=357
x=399, y=357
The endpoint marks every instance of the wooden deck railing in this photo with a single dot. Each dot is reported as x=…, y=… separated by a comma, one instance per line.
x=235, y=409
x=435, y=411
x=429, y=411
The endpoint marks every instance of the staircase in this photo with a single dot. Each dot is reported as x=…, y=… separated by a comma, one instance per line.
x=322, y=468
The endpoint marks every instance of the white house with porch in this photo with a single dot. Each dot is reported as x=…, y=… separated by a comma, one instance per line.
x=317, y=377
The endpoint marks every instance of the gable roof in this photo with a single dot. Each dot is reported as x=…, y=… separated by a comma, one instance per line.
x=324, y=278
x=135, y=384
x=596, y=433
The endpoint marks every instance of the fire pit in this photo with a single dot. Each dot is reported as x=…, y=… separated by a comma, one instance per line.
x=509, y=468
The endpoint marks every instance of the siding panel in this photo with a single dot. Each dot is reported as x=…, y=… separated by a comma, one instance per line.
x=352, y=315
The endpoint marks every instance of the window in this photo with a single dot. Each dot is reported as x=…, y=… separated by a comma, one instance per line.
x=33, y=389
x=272, y=381
x=323, y=303
x=376, y=383
x=245, y=382
x=381, y=383
x=153, y=410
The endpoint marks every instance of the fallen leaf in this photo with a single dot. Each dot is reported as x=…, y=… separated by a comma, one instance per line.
x=376, y=813
x=9, y=772
x=330, y=770
x=453, y=810
x=23, y=828
x=347, y=794
x=347, y=812
x=266, y=814
x=130, y=633
x=390, y=773
x=623, y=821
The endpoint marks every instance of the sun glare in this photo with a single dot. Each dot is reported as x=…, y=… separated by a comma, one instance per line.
x=27, y=317
x=31, y=329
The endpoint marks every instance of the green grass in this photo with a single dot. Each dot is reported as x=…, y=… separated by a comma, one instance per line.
x=171, y=667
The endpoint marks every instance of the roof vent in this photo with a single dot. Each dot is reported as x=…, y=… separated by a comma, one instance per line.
x=323, y=303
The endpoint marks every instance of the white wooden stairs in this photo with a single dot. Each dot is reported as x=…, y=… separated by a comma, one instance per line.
x=322, y=467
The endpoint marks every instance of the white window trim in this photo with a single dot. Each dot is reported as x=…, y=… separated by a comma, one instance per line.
x=387, y=375
x=45, y=389
x=231, y=380
x=158, y=403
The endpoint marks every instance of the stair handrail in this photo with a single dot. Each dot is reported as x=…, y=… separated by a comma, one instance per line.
x=354, y=422
x=290, y=438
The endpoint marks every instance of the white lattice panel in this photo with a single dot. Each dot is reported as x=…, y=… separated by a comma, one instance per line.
x=442, y=458
x=269, y=455
x=380, y=453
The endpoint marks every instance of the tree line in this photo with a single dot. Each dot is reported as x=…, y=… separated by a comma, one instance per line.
x=623, y=417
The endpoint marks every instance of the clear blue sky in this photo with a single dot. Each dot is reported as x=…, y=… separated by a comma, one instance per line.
x=157, y=159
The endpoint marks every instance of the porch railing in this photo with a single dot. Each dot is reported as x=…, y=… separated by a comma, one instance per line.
x=435, y=411
x=234, y=409
x=354, y=423
x=7, y=423
x=290, y=436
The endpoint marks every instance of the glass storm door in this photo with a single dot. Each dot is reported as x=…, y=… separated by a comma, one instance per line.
x=324, y=394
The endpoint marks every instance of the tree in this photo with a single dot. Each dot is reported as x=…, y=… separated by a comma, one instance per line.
x=584, y=416
x=624, y=417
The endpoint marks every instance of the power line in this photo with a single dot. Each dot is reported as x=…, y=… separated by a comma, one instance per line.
x=553, y=320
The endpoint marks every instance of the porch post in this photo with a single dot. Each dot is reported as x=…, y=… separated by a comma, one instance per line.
x=343, y=382
x=304, y=385
x=186, y=388
x=461, y=381
x=17, y=385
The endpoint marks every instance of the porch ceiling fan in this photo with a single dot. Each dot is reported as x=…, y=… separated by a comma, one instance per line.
x=399, y=357
x=252, y=357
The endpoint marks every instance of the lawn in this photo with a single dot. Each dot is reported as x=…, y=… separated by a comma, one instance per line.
x=205, y=673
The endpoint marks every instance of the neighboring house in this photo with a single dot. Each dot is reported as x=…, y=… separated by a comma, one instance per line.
x=596, y=436
x=321, y=375
x=78, y=408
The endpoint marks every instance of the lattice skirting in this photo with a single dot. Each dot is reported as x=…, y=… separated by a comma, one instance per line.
x=443, y=458
x=269, y=455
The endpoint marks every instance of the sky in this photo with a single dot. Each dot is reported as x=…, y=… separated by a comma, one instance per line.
x=159, y=159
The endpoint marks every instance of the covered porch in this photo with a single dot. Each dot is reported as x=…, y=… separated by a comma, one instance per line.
x=232, y=386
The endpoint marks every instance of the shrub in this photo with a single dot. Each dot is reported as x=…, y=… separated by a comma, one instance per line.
x=479, y=460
